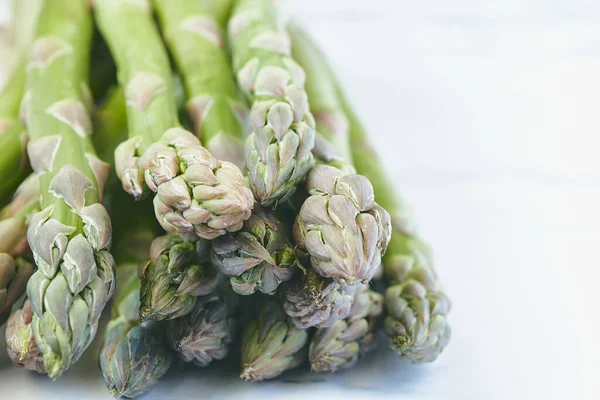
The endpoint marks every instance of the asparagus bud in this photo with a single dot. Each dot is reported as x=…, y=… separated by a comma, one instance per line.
x=271, y=343
x=176, y=274
x=311, y=300
x=258, y=257
x=341, y=345
x=417, y=308
x=20, y=342
x=205, y=334
x=341, y=227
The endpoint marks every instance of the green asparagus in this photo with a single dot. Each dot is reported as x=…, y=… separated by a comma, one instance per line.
x=135, y=354
x=341, y=345
x=206, y=333
x=271, y=343
x=258, y=257
x=196, y=193
x=278, y=150
x=415, y=302
x=340, y=225
x=69, y=237
x=176, y=274
x=193, y=32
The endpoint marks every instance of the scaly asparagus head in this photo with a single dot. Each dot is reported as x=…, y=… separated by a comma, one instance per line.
x=271, y=343
x=205, y=334
x=195, y=192
x=258, y=257
x=14, y=275
x=20, y=342
x=278, y=149
x=341, y=227
x=341, y=345
x=71, y=234
x=313, y=301
x=176, y=274
x=135, y=354
x=416, y=306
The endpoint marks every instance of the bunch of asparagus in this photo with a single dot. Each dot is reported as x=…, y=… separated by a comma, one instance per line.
x=249, y=175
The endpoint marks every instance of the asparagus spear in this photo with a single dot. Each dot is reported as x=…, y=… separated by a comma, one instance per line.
x=278, y=151
x=70, y=236
x=206, y=333
x=271, y=343
x=193, y=32
x=135, y=354
x=176, y=274
x=341, y=345
x=196, y=193
x=340, y=225
x=14, y=166
x=416, y=305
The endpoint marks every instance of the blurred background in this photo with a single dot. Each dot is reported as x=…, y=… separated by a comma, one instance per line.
x=487, y=115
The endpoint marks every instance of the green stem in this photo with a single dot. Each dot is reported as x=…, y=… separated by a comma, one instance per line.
x=193, y=31
x=322, y=93
x=110, y=125
x=142, y=67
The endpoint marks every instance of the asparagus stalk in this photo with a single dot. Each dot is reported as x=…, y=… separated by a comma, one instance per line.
x=278, y=150
x=14, y=165
x=193, y=32
x=341, y=345
x=340, y=225
x=135, y=354
x=69, y=238
x=196, y=193
x=416, y=305
x=176, y=274
x=271, y=343
x=206, y=333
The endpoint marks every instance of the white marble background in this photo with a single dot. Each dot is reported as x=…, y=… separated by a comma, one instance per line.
x=487, y=114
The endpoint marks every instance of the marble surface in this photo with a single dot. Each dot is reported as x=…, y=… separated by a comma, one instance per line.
x=486, y=113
